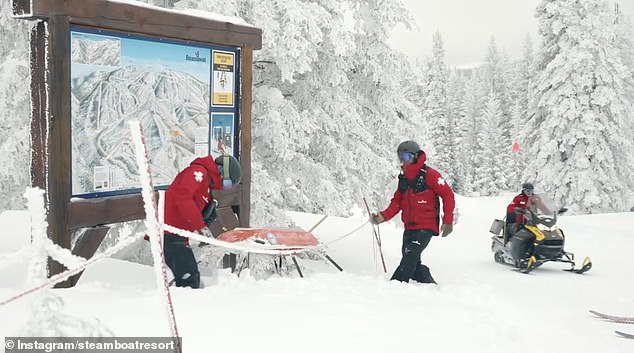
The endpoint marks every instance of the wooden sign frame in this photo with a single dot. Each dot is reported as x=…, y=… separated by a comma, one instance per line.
x=50, y=120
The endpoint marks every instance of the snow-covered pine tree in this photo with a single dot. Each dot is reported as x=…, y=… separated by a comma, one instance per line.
x=497, y=79
x=424, y=87
x=14, y=108
x=518, y=157
x=625, y=42
x=378, y=78
x=284, y=175
x=522, y=82
x=455, y=95
x=491, y=174
x=437, y=111
x=624, y=38
x=584, y=150
x=521, y=111
x=327, y=97
x=468, y=144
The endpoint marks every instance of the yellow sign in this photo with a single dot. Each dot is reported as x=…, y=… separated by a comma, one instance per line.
x=223, y=78
x=223, y=58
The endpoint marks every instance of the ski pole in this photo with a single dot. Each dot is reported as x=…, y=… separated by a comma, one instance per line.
x=318, y=223
x=377, y=236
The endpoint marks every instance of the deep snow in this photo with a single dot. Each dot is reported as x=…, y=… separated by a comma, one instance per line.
x=478, y=306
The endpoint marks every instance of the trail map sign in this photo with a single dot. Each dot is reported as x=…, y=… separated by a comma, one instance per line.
x=165, y=84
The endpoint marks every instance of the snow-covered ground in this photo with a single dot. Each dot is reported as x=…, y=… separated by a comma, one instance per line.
x=478, y=306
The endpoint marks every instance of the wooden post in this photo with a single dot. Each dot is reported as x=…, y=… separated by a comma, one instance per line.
x=50, y=126
x=86, y=246
x=39, y=103
x=246, y=99
x=59, y=138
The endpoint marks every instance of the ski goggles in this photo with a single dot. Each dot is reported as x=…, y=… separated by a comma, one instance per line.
x=406, y=157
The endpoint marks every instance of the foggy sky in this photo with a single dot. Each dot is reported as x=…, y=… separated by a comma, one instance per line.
x=466, y=27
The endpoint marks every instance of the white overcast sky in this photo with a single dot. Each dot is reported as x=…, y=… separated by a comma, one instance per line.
x=466, y=27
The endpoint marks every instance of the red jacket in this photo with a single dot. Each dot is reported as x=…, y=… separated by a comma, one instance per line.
x=420, y=210
x=189, y=193
x=520, y=201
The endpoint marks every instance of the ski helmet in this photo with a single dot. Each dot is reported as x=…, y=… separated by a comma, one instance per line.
x=527, y=187
x=408, y=151
x=230, y=171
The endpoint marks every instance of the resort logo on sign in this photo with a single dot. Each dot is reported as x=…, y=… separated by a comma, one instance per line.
x=196, y=57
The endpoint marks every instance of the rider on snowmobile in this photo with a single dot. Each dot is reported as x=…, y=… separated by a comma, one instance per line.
x=526, y=199
x=531, y=235
x=515, y=220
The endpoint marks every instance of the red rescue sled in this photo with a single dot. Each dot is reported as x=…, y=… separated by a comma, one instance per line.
x=279, y=242
x=275, y=236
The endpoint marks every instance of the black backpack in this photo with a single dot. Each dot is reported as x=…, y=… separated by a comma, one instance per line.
x=418, y=184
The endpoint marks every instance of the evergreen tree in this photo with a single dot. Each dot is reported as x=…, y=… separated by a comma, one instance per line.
x=14, y=108
x=520, y=112
x=584, y=149
x=455, y=95
x=468, y=144
x=519, y=156
x=497, y=80
x=328, y=103
x=491, y=175
x=624, y=41
x=437, y=111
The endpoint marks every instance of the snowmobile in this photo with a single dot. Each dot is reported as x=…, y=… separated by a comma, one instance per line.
x=534, y=242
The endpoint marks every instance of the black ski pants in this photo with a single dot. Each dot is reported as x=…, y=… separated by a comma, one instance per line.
x=414, y=242
x=179, y=257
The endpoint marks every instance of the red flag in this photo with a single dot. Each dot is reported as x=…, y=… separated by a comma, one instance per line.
x=516, y=147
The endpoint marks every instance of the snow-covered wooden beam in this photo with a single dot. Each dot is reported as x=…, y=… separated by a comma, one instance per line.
x=135, y=16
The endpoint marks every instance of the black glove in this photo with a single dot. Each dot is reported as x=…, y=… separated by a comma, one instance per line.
x=445, y=229
x=209, y=213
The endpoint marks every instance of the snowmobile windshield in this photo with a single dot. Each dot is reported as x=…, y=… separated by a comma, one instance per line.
x=541, y=210
x=541, y=205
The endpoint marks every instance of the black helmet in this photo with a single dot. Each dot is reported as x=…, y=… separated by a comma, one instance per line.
x=230, y=171
x=527, y=187
x=408, y=146
x=408, y=152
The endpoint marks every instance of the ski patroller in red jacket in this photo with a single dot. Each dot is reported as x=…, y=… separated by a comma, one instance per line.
x=522, y=201
x=420, y=210
x=189, y=194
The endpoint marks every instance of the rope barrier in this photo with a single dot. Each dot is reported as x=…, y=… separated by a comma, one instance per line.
x=68, y=273
x=350, y=233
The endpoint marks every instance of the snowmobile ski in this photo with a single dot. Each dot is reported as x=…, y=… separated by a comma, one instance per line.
x=618, y=319
x=585, y=267
x=625, y=334
x=529, y=264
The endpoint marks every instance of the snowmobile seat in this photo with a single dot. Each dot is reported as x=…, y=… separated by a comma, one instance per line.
x=511, y=228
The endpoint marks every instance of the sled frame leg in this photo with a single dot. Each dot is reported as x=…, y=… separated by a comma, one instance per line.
x=325, y=256
x=299, y=270
x=333, y=262
x=242, y=260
